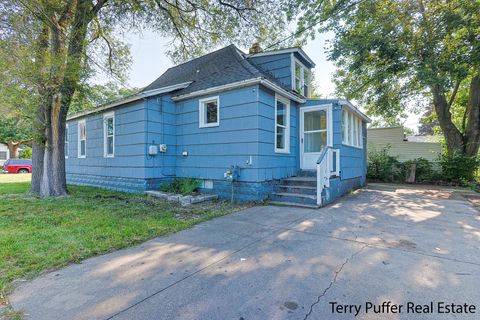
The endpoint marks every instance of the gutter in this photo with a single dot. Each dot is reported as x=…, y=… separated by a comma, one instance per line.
x=354, y=110
x=240, y=84
x=136, y=97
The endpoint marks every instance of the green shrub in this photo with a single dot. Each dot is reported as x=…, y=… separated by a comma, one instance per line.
x=26, y=153
x=182, y=186
x=384, y=167
x=458, y=167
x=473, y=185
x=424, y=170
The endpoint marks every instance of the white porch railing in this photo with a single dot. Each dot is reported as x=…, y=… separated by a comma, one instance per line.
x=328, y=164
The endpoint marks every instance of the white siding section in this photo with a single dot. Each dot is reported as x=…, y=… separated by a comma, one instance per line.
x=379, y=138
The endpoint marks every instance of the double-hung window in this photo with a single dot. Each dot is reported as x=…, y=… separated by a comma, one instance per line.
x=82, y=139
x=209, y=112
x=109, y=135
x=302, y=79
x=352, y=134
x=282, y=125
x=66, y=142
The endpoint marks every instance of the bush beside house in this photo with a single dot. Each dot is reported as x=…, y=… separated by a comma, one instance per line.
x=448, y=169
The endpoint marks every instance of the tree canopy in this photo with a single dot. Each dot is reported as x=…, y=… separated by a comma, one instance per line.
x=59, y=45
x=393, y=55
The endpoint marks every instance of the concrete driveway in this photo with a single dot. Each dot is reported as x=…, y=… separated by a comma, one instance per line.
x=383, y=243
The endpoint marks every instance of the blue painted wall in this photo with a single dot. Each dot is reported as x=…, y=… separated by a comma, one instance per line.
x=352, y=159
x=279, y=66
x=246, y=131
x=126, y=170
x=129, y=160
x=272, y=165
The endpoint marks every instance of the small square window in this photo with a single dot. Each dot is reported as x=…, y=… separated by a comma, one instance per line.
x=209, y=112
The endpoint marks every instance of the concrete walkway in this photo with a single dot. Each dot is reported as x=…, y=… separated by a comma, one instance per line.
x=384, y=243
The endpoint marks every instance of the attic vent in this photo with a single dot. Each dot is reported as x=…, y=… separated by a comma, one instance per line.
x=255, y=48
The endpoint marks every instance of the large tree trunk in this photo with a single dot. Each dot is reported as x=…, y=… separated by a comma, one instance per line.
x=472, y=131
x=453, y=136
x=49, y=178
x=468, y=142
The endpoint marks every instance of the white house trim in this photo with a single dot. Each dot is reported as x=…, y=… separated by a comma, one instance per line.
x=240, y=84
x=329, y=109
x=286, y=102
x=347, y=104
x=105, y=137
x=202, y=112
x=79, y=140
x=133, y=98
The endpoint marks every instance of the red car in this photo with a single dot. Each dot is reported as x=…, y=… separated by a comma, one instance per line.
x=17, y=166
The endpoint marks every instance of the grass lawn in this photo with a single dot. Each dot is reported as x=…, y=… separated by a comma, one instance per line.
x=38, y=235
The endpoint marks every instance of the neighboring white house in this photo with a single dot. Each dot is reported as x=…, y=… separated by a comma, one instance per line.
x=4, y=154
x=405, y=148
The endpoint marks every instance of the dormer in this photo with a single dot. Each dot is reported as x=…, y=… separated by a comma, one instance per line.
x=292, y=67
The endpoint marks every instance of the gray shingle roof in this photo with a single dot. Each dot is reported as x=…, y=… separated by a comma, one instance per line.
x=224, y=66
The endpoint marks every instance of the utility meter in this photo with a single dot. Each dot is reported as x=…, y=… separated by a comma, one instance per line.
x=152, y=150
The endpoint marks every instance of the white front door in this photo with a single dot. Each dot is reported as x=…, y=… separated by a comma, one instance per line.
x=315, y=133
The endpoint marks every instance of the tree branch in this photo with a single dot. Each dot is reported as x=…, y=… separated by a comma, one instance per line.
x=454, y=93
x=99, y=5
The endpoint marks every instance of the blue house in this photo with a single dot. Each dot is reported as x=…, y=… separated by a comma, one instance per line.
x=239, y=123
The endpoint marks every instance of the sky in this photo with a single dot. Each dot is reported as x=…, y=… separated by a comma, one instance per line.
x=149, y=61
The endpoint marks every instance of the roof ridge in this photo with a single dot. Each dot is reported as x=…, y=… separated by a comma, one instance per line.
x=242, y=60
x=202, y=56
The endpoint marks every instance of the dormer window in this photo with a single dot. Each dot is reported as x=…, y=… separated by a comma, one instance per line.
x=302, y=79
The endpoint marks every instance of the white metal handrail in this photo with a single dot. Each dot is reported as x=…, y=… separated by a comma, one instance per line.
x=325, y=169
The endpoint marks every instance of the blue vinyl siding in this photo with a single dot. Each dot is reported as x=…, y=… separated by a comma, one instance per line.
x=274, y=165
x=211, y=151
x=160, y=128
x=129, y=159
x=279, y=66
x=352, y=159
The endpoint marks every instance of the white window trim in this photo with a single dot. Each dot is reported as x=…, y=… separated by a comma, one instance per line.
x=80, y=156
x=350, y=139
x=287, y=125
x=201, y=112
x=303, y=68
x=105, y=142
x=66, y=142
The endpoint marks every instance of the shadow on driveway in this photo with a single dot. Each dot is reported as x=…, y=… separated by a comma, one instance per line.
x=382, y=243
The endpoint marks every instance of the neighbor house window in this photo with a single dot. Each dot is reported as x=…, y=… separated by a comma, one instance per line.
x=109, y=135
x=209, y=112
x=282, y=125
x=66, y=142
x=82, y=139
x=302, y=79
x=351, y=129
x=3, y=155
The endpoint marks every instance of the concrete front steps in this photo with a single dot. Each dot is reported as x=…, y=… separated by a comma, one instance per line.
x=298, y=191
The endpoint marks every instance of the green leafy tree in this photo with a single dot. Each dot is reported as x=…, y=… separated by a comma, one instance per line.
x=62, y=43
x=392, y=54
x=88, y=97
x=14, y=132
